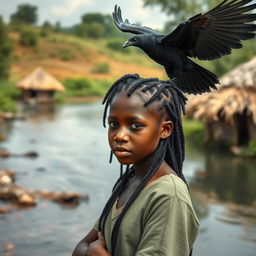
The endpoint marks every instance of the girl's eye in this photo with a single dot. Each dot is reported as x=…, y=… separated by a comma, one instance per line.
x=136, y=125
x=113, y=124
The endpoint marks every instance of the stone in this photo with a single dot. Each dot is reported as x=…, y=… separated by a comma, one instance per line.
x=5, y=179
x=4, y=153
x=26, y=199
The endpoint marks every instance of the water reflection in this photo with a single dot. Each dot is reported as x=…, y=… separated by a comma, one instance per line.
x=227, y=179
x=230, y=178
x=224, y=196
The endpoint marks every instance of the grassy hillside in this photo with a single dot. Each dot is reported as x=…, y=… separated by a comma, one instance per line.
x=65, y=56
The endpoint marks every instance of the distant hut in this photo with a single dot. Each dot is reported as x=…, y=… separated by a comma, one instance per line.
x=39, y=86
x=229, y=112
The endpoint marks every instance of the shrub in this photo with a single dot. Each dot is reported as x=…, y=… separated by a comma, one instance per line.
x=44, y=33
x=194, y=130
x=65, y=54
x=249, y=150
x=116, y=45
x=7, y=104
x=91, y=30
x=101, y=68
x=28, y=38
x=84, y=87
x=6, y=49
x=8, y=96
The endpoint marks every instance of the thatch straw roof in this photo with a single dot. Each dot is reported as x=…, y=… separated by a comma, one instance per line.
x=39, y=79
x=242, y=76
x=236, y=94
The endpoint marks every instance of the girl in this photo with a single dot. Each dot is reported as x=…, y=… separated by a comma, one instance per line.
x=150, y=211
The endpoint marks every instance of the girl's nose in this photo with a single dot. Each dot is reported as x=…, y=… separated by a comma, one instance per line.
x=121, y=136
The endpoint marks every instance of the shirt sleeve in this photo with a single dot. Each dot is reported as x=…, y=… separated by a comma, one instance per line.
x=96, y=225
x=170, y=229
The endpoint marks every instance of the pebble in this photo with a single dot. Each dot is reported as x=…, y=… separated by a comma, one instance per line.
x=26, y=199
x=5, y=179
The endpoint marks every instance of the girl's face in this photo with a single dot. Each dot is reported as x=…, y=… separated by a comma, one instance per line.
x=134, y=130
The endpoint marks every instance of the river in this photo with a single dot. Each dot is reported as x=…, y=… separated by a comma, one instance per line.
x=73, y=156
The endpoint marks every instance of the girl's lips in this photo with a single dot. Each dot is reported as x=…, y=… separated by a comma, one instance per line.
x=121, y=152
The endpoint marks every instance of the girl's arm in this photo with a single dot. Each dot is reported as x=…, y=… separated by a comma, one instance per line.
x=82, y=246
x=93, y=244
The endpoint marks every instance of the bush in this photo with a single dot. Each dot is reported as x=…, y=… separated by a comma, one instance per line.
x=91, y=30
x=116, y=45
x=7, y=104
x=65, y=54
x=84, y=87
x=8, y=96
x=6, y=49
x=101, y=68
x=44, y=33
x=28, y=38
x=249, y=150
x=194, y=130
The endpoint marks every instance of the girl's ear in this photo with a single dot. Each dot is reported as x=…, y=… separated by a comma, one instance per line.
x=166, y=130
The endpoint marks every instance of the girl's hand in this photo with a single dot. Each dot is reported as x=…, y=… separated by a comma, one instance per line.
x=98, y=247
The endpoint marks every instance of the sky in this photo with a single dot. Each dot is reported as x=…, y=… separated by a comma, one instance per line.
x=69, y=12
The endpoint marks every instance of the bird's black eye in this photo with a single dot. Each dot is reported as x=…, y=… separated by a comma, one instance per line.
x=134, y=39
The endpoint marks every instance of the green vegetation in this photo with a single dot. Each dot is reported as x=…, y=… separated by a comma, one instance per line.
x=5, y=51
x=249, y=151
x=65, y=54
x=26, y=14
x=116, y=45
x=181, y=10
x=92, y=30
x=8, y=96
x=194, y=130
x=82, y=87
x=94, y=25
x=101, y=68
x=28, y=38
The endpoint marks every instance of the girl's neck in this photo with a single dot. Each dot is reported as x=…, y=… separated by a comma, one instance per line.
x=143, y=167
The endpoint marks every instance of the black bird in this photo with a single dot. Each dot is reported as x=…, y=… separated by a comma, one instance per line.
x=204, y=36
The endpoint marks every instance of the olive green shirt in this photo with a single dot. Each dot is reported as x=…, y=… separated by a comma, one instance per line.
x=160, y=222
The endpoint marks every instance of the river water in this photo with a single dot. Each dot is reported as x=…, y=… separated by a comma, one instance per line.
x=73, y=156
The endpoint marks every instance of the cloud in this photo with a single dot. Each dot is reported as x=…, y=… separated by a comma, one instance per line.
x=69, y=6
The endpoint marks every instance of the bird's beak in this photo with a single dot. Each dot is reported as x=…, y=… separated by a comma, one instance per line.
x=126, y=44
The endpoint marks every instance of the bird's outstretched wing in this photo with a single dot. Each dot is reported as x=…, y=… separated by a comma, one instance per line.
x=126, y=26
x=213, y=34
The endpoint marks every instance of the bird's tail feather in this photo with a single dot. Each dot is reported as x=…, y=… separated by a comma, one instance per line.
x=196, y=79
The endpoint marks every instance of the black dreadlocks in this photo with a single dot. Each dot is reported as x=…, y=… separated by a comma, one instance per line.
x=171, y=149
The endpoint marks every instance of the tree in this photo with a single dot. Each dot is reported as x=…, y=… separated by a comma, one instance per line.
x=47, y=25
x=28, y=38
x=93, y=30
x=93, y=17
x=57, y=27
x=5, y=51
x=105, y=21
x=181, y=10
x=25, y=13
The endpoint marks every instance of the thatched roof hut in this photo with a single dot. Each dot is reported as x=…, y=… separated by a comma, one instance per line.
x=233, y=105
x=39, y=85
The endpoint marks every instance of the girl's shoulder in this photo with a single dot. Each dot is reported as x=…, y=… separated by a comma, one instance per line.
x=168, y=189
x=167, y=186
